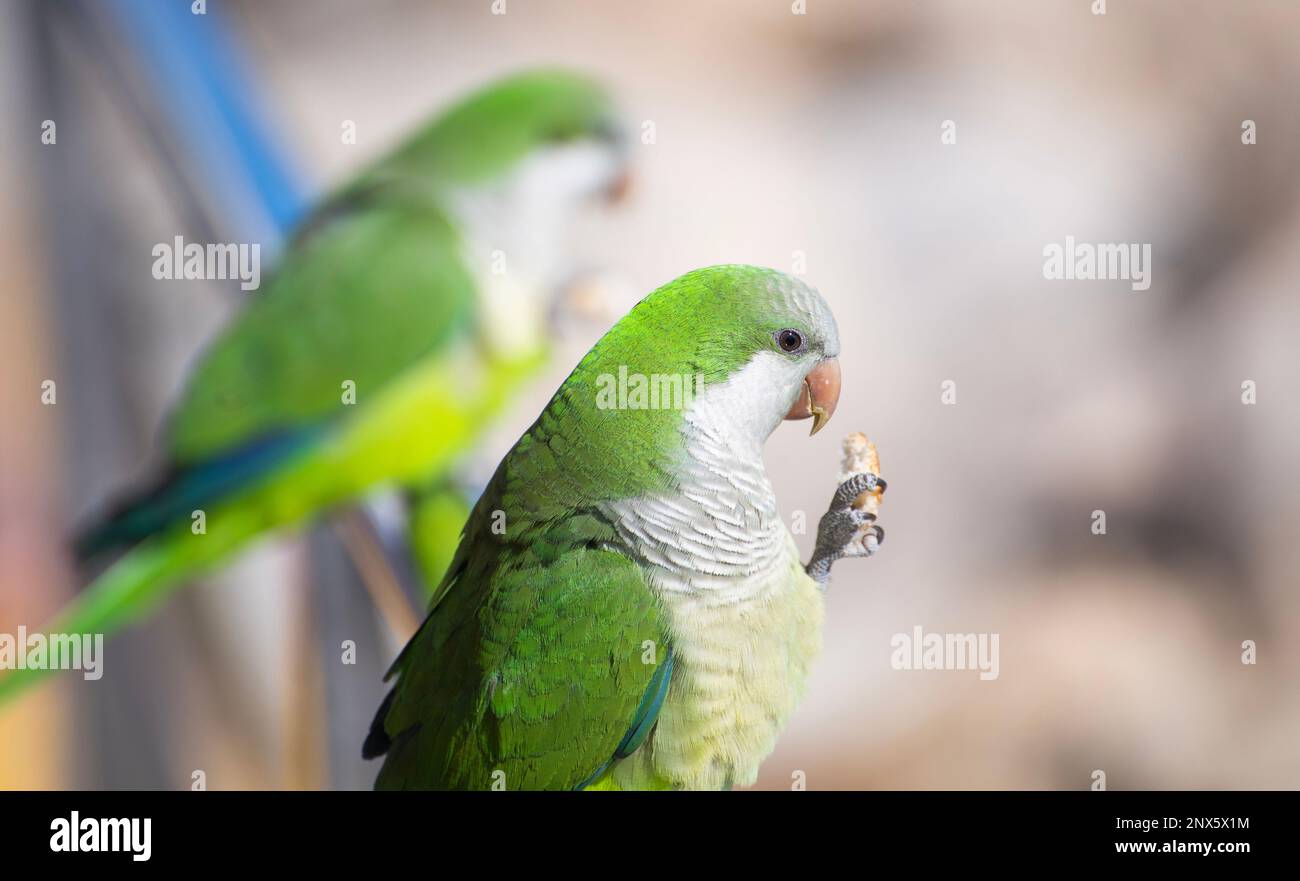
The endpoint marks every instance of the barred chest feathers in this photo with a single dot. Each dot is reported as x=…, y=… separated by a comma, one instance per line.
x=746, y=619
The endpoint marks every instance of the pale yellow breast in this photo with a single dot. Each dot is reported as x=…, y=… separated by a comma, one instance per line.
x=740, y=669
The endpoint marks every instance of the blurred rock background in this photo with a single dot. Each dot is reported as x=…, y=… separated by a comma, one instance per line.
x=789, y=140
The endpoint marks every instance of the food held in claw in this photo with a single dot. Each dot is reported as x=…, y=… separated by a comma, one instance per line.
x=860, y=457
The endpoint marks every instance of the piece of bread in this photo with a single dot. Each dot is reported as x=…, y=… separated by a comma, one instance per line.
x=860, y=457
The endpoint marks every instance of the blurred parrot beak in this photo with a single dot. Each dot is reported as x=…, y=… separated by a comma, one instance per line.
x=586, y=297
x=819, y=395
x=618, y=188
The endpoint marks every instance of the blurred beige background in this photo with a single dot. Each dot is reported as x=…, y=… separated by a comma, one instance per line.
x=782, y=137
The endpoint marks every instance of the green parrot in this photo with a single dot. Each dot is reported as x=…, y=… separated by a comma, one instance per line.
x=408, y=308
x=627, y=609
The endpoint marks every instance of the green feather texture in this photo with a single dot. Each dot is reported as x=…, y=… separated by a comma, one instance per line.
x=361, y=299
x=545, y=637
x=373, y=297
x=374, y=282
x=489, y=132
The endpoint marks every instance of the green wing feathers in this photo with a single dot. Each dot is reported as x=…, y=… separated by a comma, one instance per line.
x=361, y=297
x=365, y=297
x=528, y=673
x=540, y=644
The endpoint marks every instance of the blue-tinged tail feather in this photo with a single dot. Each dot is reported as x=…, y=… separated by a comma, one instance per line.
x=185, y=489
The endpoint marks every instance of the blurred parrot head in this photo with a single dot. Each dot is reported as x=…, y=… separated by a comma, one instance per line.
x=516, y=164
x=499, y=131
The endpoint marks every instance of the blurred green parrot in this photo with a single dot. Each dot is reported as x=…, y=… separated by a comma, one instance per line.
x=405, y=312
x=627, y=609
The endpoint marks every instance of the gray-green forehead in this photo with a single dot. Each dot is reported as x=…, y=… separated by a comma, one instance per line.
x=793, y=297
x=740, y=296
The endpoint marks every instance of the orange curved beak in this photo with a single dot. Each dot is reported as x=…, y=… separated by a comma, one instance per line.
x=819, y=395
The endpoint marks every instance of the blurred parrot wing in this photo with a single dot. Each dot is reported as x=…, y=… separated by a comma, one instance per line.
x=366, y=291
x=535, y=670
x=367, y=294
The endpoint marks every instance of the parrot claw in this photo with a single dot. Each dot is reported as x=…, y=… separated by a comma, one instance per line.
x=846, y=531
x=855, y=486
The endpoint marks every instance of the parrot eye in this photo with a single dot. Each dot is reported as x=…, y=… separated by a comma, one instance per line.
x=789, y=340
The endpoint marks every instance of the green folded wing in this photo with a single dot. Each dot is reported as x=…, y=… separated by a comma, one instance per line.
x=532, y=672
x=373, y=286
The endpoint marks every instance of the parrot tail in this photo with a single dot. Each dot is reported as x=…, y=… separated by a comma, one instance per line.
x=186, y=489
x=138, y=582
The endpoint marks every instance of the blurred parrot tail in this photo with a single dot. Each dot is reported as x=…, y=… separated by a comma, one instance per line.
x=137, y=583
x=184, y=490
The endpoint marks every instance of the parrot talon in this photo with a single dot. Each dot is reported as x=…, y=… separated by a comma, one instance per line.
x=855, y=486
x=863, y=517
x=872, y=540
x=840, y=531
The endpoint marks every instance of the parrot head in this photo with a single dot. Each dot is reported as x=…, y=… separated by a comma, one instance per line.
x=750, y=347
x=768, y=342
x=517, y=163
x=498, y=131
